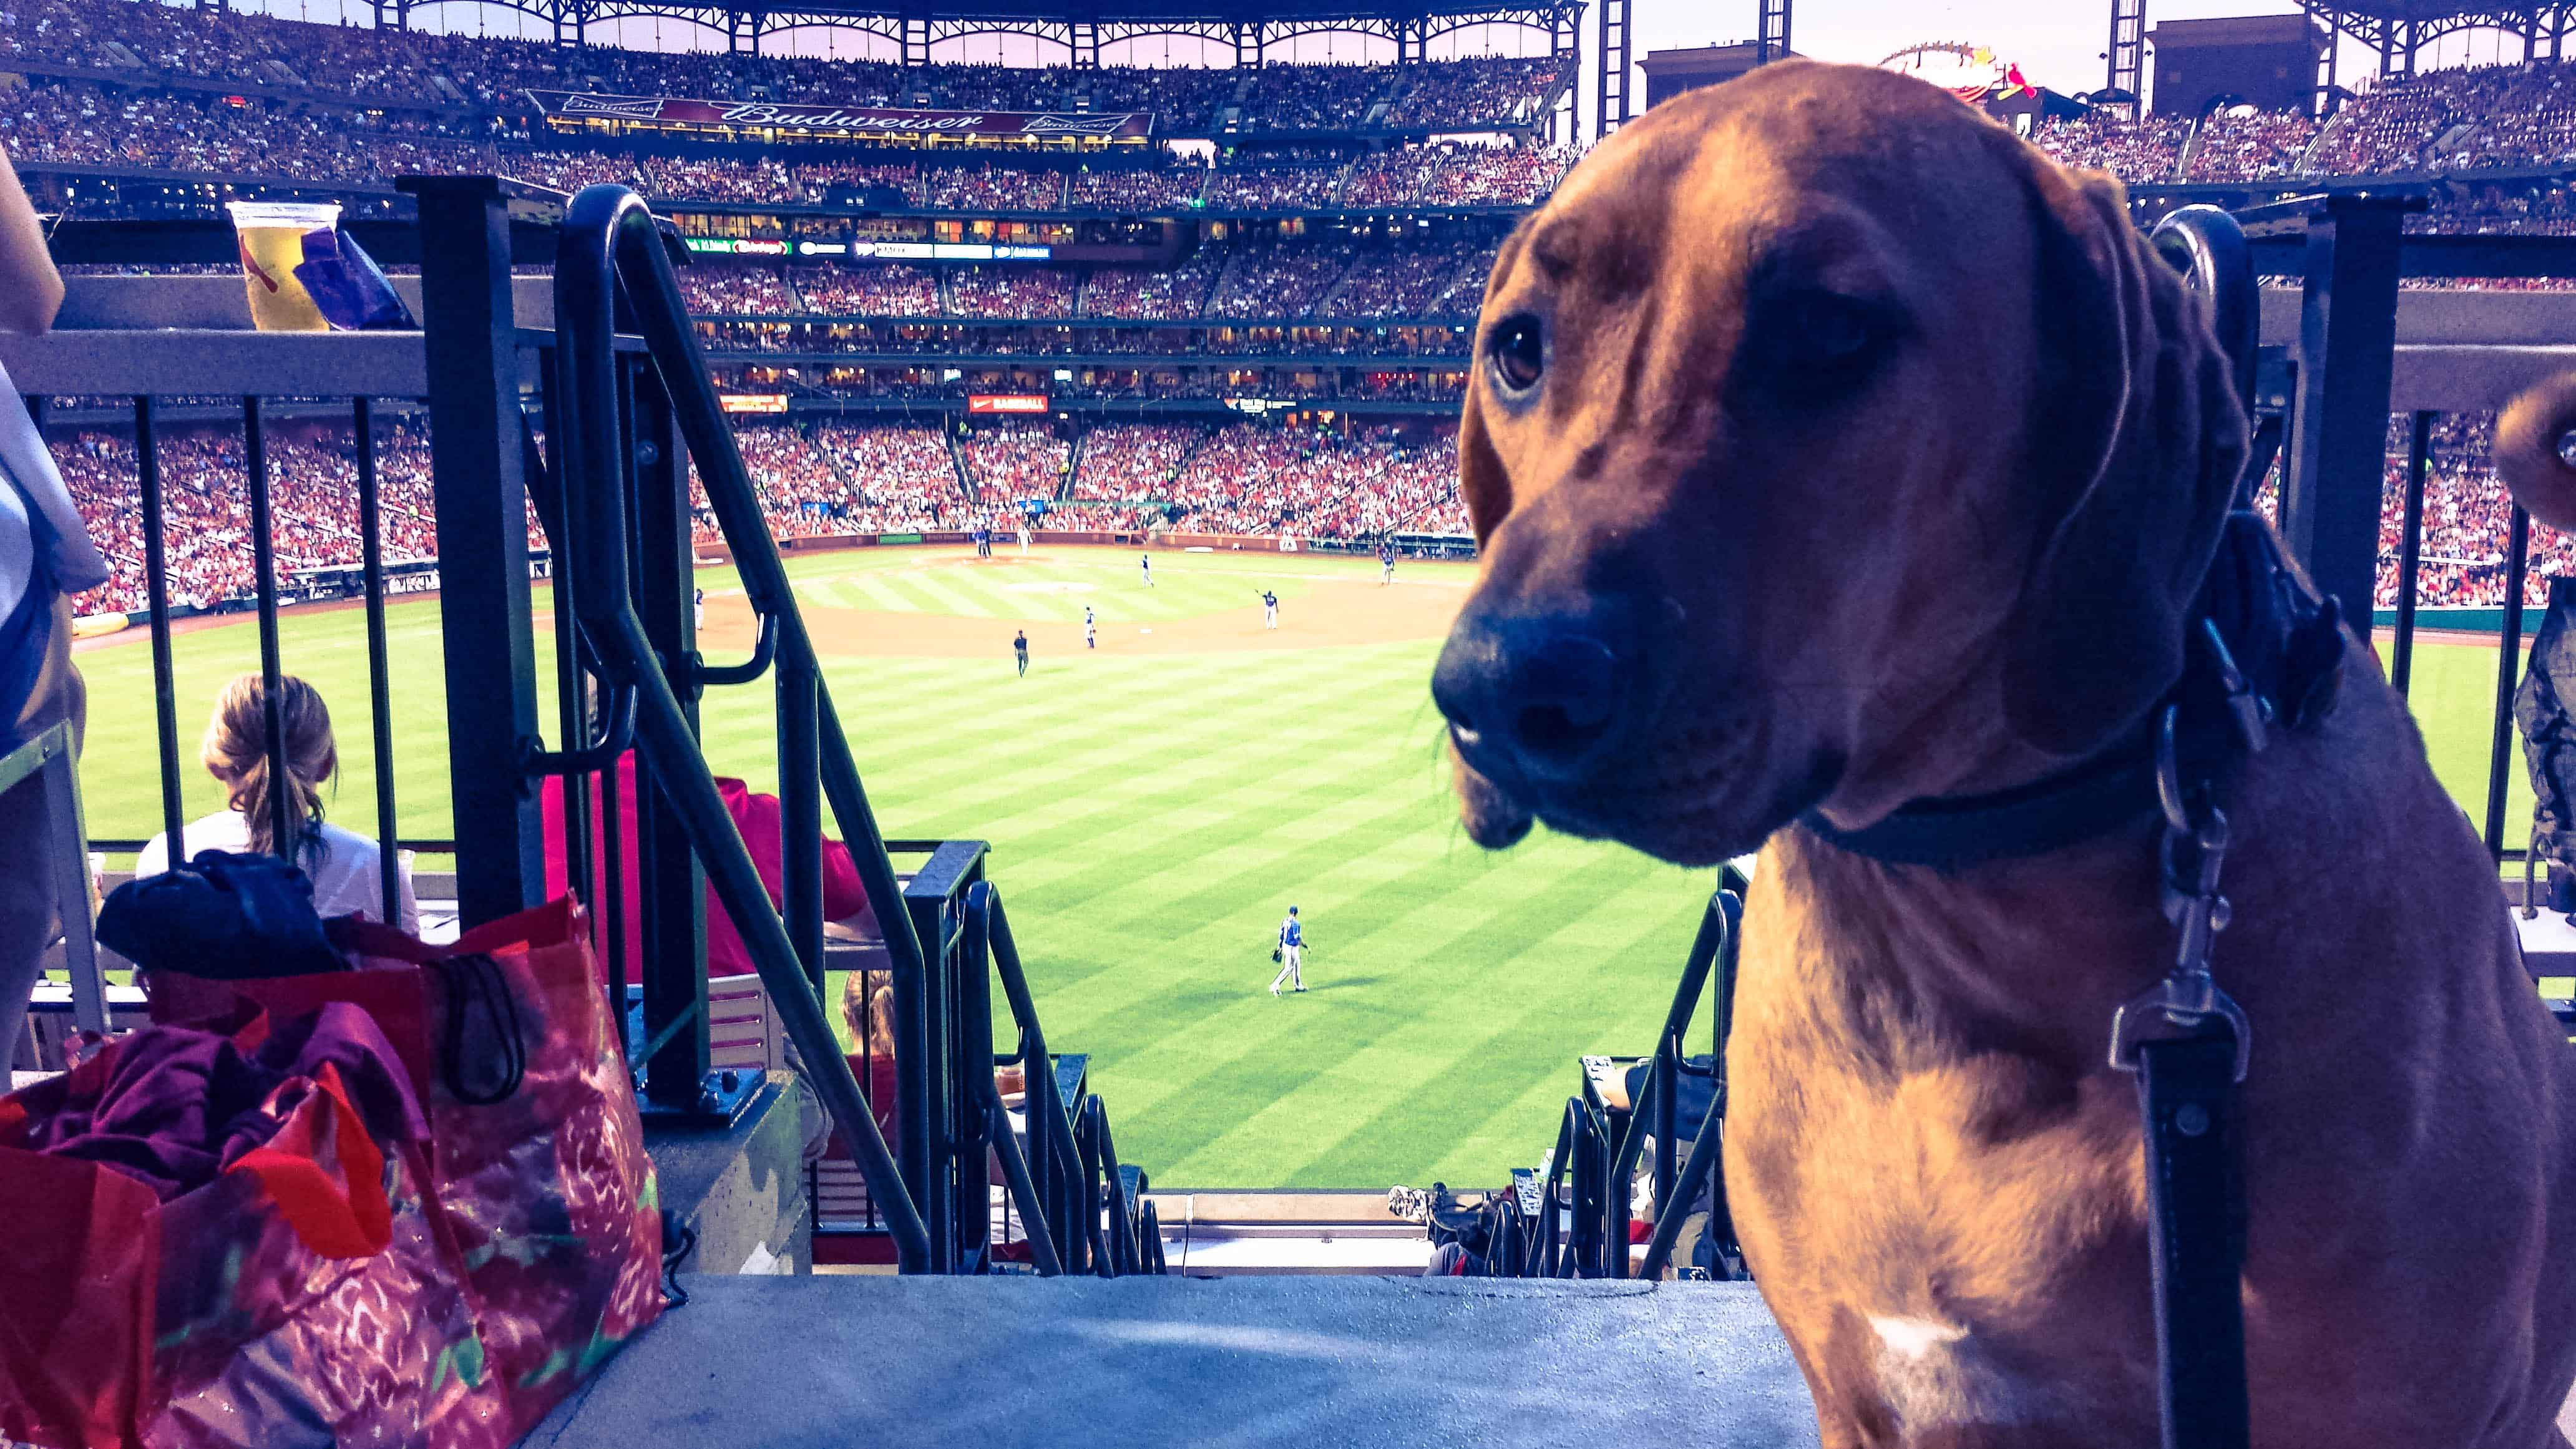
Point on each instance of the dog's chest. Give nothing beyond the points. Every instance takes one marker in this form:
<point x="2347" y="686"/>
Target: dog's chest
<point x="1943" y="1241"/>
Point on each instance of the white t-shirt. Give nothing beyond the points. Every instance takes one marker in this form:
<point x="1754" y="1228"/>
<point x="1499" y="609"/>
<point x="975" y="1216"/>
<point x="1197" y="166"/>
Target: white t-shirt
<point x="345" y="877"/>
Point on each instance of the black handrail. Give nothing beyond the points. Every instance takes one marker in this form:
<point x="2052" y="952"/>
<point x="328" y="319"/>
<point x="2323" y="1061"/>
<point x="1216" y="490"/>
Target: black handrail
<point x="1050" y="1131"/>
<point x="610" y="248"/>
<point x="1672" y="1202"/>
<point x="985" y="939"/>
<point x="764" y="649"/>
<point x="1651" y="1112"/>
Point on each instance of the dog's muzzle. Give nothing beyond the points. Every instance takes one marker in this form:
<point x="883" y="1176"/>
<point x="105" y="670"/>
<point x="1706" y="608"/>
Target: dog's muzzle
<point x="1537" y="702"/>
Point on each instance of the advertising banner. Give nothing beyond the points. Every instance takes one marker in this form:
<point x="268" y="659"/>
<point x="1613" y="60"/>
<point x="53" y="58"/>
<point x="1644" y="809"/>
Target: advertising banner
<point x="829" y="116"/>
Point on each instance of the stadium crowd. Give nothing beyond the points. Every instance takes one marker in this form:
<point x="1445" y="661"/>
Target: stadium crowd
<point x="1015" y="461"/>
<point x="832" y="476"/>
<point x="76" y="125"/>
<point x="838" y="475"/>
<point x="425" y="70"/>
<point x="2467" y="522"/>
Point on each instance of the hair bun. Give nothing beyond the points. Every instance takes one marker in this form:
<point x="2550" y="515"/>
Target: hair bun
<point x="2535" y="450"/>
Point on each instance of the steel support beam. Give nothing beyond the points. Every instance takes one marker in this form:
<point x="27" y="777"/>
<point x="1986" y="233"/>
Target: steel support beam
<point x="470" y="339"/>
<point x="2339" y="434"/>
<point x="2397" y="50"/>
<point x="2128" y="50"/>
<point x="2321" y="97"/>
<point x="1610" y="99"/>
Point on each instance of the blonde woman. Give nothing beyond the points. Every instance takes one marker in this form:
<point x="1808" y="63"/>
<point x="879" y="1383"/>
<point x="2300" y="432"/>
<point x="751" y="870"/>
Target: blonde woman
<point x="342" y="864"/>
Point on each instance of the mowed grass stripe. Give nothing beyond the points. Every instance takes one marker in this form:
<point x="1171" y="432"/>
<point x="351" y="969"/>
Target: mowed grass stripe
<point x="1279" y="1064"/>
<point x="1555" y="977"/>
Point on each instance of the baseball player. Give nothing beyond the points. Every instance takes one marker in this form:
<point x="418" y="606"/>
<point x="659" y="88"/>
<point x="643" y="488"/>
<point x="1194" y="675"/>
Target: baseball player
<point x="1024" y="540"/>
<point x="699" y="603"/>
<point x="1386" y="561"/>
<point x="1147" y="562"/>
<point x="1269" y="610"/>
<point x="1020" y="647"/>
<point x="1292" y="954"/>
<point x="1090" y="629"/>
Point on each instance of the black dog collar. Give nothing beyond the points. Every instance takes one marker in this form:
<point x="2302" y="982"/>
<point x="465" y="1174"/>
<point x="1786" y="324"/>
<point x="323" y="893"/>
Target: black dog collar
<point x="2286" y="648"/>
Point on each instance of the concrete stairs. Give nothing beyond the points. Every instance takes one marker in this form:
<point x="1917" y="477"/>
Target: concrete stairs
<point x="1134" y="1363"/>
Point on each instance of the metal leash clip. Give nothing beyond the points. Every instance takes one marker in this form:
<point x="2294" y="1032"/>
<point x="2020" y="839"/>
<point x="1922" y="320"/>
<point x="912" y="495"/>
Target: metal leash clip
<point x="2251" y="713"/>
<point x="2187" y="1000"/>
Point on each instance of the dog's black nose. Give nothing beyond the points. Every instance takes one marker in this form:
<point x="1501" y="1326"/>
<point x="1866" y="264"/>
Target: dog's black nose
<point x="1539" y="695"/>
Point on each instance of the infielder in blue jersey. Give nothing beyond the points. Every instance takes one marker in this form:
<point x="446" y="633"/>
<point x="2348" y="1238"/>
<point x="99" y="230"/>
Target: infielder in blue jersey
<point x="1146" y="561"/>
<point x="1292" y="954"/>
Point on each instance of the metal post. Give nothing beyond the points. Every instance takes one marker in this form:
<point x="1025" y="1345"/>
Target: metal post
<point x="272" y="673"/>
<point x="974" y="1083"/>
<point x="917" y="1083"/>
<point x="156" y="586"/>
<point x="669" y="879"/>
<point x="2339" y="433"/>
<point x="371" y="555"/>
<point x="2410" y="546"/>
<point x="2508" y="666"/>
<point x="470" y="337"/>
<point x="800" y="801"/>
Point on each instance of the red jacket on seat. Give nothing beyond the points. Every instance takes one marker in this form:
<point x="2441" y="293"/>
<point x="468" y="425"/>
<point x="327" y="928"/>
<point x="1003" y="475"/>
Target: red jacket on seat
<point x="756" y="816"/>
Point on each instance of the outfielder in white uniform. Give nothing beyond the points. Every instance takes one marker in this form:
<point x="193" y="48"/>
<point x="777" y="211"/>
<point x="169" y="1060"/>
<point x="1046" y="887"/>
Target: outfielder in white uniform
<point x="1292" y="954"/>
<point x="1269" y="610"/>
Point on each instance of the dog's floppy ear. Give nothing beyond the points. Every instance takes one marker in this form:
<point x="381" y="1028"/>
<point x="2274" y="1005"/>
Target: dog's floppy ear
<point x="1482" y="482"/>
<point x="2132" y="464"/>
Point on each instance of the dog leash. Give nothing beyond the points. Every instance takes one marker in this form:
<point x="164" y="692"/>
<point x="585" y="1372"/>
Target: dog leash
<point x="2188" y="1043"/>
<point x="2263" y="652"/>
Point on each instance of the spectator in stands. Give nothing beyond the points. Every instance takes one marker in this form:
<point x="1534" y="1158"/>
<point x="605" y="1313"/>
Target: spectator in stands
<point x="344" y="866"/>
<point x="39" y="688"/>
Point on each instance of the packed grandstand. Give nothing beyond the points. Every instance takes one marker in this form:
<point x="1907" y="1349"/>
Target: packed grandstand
<point x="1254" y="323"/>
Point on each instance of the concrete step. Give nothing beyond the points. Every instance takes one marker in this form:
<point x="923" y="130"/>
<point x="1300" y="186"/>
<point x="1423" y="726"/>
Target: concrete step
<point x="1141" y="1362"/>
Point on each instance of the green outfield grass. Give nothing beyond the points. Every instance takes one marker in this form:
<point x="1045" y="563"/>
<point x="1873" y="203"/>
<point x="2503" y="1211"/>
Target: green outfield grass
<point x="1151" y="817"/>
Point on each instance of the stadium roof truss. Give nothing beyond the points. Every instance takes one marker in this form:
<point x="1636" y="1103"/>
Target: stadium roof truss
<point x="1079" y="31"/>
<point x="2396" y="30"/>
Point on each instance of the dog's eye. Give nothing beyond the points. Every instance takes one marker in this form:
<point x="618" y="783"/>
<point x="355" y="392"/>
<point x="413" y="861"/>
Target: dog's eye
<point x="1517" y="353"/>
<point x="1810" y="347"/>
<point x="1827" y="331"/>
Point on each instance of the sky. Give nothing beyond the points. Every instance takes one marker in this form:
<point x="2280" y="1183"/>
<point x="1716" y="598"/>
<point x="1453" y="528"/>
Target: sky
<point x="2057" y="43"/>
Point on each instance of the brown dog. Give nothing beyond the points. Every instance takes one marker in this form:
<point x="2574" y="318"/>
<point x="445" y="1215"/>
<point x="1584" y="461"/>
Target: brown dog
<point x="1833" y="449"/>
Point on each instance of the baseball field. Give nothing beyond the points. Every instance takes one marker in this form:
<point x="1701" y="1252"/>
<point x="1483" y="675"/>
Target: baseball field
<point x="1155" y="804"/>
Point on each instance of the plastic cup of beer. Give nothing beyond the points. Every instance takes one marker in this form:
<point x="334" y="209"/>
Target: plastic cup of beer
<point x="271" y="237"/>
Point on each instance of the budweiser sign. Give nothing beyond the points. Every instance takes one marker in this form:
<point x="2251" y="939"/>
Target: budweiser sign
<point x="884" y="120"/>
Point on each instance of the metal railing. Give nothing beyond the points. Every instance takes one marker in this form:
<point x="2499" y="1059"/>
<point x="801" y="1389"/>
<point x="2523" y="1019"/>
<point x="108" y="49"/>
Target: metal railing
<point x="146" y="367"/>
<point x="1581" y="1227"/>
<point x="2329" y="389"/>
<point x="619" y="416"/>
